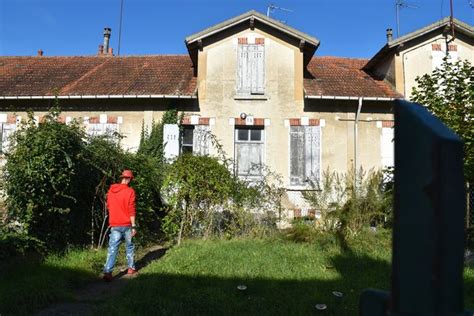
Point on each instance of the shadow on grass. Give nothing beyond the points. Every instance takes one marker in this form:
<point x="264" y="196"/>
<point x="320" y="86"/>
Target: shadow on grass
<point x="174" y="294"/>
<point x="36" y="285"/>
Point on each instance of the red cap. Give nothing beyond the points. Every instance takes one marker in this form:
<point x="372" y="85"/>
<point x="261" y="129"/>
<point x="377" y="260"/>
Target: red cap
<point x="127" y="174"/>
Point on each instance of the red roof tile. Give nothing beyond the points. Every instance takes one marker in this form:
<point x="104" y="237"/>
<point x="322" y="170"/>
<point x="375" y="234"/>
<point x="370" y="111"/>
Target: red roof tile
<point x="162" y="75"/>
<point x="338" y="76"/>
<point x="97" y="75"/>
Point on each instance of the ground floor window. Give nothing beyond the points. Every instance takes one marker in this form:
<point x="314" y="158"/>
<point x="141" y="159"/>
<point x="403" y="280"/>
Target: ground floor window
<point x="195" y="139"/>
<point x="249" y="150"/>
<point x="6" y="130"/>
<point x="305" y="154"/>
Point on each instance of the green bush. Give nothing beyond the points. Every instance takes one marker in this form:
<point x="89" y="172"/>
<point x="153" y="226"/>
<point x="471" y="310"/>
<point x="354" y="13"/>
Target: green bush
<point x="44" y="184"/>
<point x="348" y="205"/>
<point x="204" y="199"/>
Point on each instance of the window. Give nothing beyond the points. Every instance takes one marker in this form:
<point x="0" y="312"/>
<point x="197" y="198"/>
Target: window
<point x="195" y="139"/>
<point x="305" y="154"/>
<point x="102" y="125"/>
<point x="97" y="129"/>
<point x="251" y="69"/>
<point x="249" y="145"/>
<point x="6" y="130"/>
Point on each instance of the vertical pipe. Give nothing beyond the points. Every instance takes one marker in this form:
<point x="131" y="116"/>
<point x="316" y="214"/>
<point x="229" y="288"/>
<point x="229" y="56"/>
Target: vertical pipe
<point x="356" y="139"/>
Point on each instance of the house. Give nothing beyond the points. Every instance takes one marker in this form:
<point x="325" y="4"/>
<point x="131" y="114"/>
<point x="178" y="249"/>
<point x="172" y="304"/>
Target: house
<point x="251" y="81"/>
<point x="403" y="59"/>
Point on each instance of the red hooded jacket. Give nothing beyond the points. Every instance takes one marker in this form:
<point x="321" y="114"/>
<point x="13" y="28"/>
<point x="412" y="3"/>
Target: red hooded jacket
<point x="121" y="204"/>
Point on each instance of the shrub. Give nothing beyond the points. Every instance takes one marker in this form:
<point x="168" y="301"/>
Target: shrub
<point x="346" y="210"/>
<point x="205" y="199"/>
<point x="43" y="184"/>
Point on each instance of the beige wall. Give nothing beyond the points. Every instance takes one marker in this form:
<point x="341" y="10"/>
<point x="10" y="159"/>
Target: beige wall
<point x="217" y="74"/>
<point x="418" y="60"/>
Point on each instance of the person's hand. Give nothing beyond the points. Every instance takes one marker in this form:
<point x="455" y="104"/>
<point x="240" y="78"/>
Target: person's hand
<point x="134" y="232"/>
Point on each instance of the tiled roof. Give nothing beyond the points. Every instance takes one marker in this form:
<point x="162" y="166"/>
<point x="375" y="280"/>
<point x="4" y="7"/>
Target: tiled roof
<point x="162" y="75"/>
<point x="338" y="76"/>
<point x="97" y="75"/>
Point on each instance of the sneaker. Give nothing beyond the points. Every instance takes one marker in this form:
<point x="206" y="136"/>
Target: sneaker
<point x="107" y="277"/>
<point x="131" y="271"/>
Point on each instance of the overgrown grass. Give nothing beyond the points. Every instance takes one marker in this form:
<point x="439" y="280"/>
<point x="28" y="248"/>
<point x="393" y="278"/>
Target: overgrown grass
<point x="29" y="283"/>
<point x="282" y="277"/>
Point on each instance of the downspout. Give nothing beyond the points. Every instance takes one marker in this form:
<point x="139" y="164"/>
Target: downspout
<point x="356" y="124"/>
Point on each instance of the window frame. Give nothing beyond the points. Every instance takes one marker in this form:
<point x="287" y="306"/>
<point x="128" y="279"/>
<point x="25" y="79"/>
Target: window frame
<point x="260" y="143"/>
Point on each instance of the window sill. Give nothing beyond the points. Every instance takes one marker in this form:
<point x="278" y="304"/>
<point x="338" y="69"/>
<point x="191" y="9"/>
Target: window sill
<point x="251" y="97"/>
<point x="301" y="188"/>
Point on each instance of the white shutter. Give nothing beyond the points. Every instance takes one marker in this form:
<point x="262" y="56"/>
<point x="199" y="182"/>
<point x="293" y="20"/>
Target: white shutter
<point x="243" y="78"/>
<point x="258" y="84"/>
<point x="312" y="149"/>
<point x="201" y="140"/>
<point x="297" y="155"/>
<point x="387" y="147"/>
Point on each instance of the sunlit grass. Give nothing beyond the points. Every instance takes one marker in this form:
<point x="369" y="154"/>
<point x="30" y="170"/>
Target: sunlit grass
<point x="282" y="277"/>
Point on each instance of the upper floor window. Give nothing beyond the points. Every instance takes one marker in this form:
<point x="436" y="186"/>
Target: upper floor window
<point x="251" y="67"/>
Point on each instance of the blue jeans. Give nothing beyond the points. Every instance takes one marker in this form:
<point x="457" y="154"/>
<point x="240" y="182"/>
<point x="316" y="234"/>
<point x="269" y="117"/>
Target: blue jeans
<point x="115" y="238"/>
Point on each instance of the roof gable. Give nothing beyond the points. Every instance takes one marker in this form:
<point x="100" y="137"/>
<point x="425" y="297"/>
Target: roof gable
<point x="438" y="27"/>
<point x="251" y="19"/>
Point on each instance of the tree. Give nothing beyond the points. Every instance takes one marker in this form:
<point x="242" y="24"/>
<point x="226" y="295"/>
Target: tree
<point x="448" y="93"/>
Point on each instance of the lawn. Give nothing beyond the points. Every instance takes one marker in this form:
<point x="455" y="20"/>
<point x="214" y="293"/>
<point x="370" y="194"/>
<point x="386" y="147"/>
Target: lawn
<point x="282" y="277"/>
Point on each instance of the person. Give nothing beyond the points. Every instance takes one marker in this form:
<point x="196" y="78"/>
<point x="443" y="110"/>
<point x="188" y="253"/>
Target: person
<point x="121" y="207"/>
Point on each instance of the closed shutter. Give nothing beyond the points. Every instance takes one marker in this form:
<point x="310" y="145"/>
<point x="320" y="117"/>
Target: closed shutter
<point x="312" y="150"/>
<point x="297" y="155"/>
<point x="243" y="72"/>
<point x="201" y="140"/>
<point x="305" y="148"/>
<point x="258" y="77"/>
<point x="387" y="147"/>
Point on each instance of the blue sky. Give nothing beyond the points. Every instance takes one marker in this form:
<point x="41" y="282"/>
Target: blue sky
<point x="350" y="28"/>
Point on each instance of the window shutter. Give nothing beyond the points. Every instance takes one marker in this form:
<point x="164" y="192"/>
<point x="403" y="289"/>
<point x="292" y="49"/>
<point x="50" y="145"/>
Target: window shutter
<point x="244" y="80"/>
<point x="312" y="149"/>
<point x="258" y="82"/>
<point x="387" y="147"/>
<point x="297" y="156"/>
<point x="201" y="140"/>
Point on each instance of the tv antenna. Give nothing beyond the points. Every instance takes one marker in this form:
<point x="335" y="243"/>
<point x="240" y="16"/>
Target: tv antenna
<point x="120" y="27"/>
<point x="402" y="4"/>
<point x="271" y="8"/>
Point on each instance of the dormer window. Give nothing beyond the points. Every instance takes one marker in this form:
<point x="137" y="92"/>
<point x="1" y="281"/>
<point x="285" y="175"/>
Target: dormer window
<point x="251" y="67"/>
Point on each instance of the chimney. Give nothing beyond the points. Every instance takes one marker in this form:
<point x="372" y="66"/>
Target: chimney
<point x="40" y="52"/>
<point x="107" y="31"/>
<point x="389" y="35"/>
<point x="111" y="51"/>
<point x="101" y="49"/>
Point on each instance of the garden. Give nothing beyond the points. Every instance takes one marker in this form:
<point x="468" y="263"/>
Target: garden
<point x="220" y="248"/>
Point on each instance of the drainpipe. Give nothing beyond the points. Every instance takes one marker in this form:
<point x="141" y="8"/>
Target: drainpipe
<point x="356" y="123"/>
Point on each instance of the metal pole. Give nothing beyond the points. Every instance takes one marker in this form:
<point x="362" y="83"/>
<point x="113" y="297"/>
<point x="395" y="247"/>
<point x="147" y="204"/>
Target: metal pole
<point x="356" y="131"/>
<point x="397" y="9"/>
<point x="120" y="27"/>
